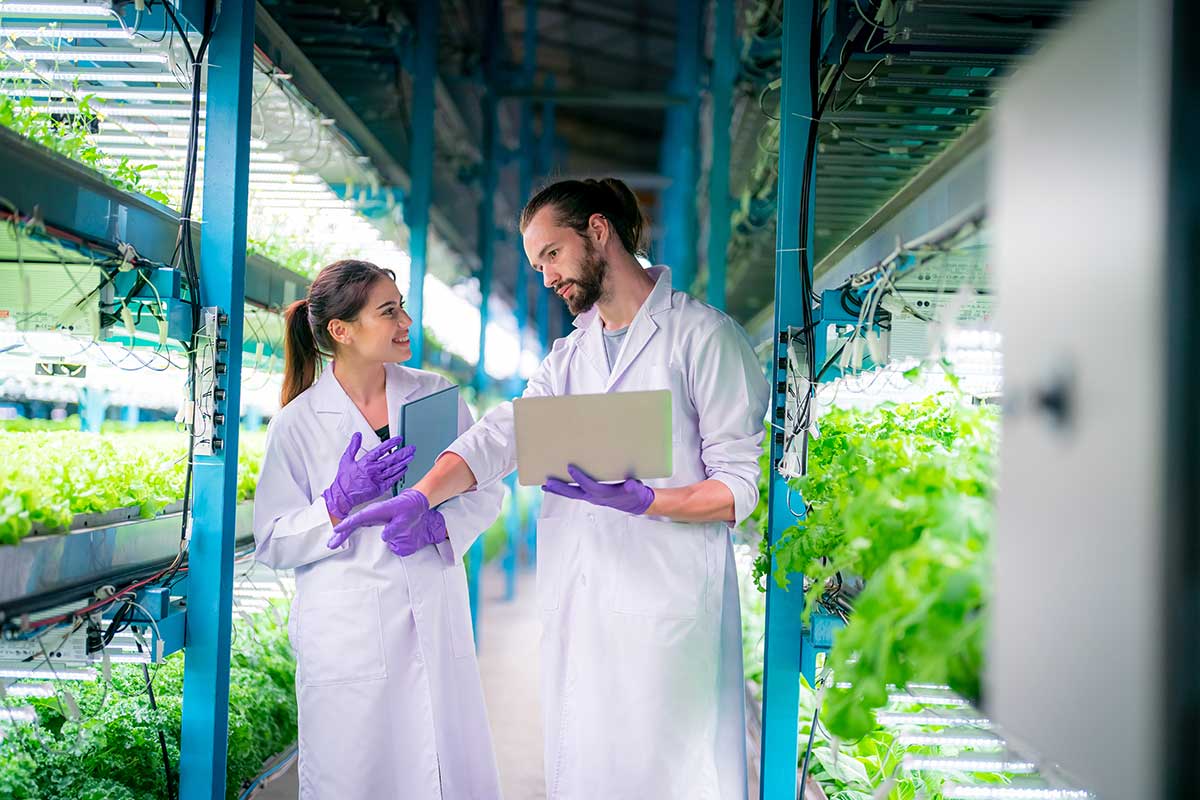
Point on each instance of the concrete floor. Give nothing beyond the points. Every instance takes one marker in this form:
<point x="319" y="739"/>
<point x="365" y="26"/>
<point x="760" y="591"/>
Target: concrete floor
<point x="508" y="662"/>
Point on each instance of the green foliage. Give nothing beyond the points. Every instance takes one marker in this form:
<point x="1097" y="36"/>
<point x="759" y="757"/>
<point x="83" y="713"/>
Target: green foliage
<point x="112" y="751"/>
<point x="902" y="496"/>
<point x="71" y="136"/>
<point x="47" y="477"/>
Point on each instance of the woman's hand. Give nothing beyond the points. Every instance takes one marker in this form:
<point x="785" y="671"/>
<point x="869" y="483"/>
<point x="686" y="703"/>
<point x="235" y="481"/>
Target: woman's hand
<point x="361" y="479"/>
<point x="399" y="513"/>
<point x="404" y="539"/>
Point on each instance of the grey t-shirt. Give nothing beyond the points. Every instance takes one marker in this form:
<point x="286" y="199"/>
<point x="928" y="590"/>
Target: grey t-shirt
<point x="612" y="345"/>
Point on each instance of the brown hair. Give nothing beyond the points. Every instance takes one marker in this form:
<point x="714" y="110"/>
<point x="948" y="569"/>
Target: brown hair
<point x="576" y="201"/>
<point x="338" y="292"/>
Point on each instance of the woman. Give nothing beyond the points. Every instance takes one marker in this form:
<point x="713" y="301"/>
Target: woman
<point x="390" y="700"/>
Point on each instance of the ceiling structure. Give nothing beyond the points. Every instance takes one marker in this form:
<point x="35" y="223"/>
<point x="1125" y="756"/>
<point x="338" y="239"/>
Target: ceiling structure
<point x="917" y="76"/>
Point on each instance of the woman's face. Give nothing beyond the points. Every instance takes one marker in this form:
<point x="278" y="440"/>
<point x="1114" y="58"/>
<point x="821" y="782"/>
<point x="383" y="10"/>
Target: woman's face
<point x="380" y="333"/>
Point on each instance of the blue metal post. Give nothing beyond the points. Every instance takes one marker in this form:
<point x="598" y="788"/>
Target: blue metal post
<point x="222" y="284"/>
<point x="487" y="244"/>
<point x="724" y="73"/>
<point x="93" y="405"/>
<point x="525" y="156"/>
<point x="782" y="656"/>
<point x="131" y="416"/>
<point x="416" y="209"/>
<point x="680" y="230"/>
<point x="546" y="166"/>
<point x="512" y="528"/>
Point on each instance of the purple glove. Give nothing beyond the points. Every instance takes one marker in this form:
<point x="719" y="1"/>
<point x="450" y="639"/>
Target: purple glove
<point x="363" y="479"/>
<point x="631" y="496"/>
<point x="406" y="539"/>
<point x="400" y="512"/>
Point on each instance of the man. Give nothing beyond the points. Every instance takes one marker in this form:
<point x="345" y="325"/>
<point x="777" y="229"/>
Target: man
<point x="641" y="653"/>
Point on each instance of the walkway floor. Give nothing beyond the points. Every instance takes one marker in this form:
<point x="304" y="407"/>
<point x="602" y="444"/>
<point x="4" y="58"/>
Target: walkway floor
<point x="508" y="663"/>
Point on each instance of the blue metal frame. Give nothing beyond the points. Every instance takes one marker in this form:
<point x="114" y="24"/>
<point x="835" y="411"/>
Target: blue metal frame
<point x="421" y="158"/>
<point x="222" y="284"/>
<point x="490" y="148"/>
<point x="783" y="645"/>
<point x="679" y="151"/>
<point x="724" y="74"/>
<point x="547" y="163"/>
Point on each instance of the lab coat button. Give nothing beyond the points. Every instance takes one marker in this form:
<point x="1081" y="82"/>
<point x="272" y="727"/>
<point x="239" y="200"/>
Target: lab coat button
<point x="583" y="580"/>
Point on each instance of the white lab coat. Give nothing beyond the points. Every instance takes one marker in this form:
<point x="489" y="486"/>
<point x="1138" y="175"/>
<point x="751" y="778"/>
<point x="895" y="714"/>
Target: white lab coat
<point x="390" y="701"/>
<point x="641" y="653"/>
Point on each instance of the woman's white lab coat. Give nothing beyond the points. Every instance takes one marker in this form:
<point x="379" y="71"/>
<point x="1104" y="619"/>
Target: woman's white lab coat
<point x="641" y="653"/>
<point x="390" y="700"/>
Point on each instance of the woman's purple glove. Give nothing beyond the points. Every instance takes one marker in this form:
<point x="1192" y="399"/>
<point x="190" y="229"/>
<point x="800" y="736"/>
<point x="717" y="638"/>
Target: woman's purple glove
<point x="399" y="512"/>
<point x="404" y="540"/>
<point x="631" y="496"/>
<point x="361" y="479"/>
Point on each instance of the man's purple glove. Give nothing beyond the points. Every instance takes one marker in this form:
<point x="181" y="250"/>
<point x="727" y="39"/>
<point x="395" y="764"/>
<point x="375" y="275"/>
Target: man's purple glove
<point x="631" y="496"/>
<point x="361" y="479"/>
<point x="400" y="512"/>
<point x="430" y="528"/>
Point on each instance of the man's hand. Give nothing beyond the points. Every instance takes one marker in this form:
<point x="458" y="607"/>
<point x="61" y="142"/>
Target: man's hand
<point x="631" y="496"/>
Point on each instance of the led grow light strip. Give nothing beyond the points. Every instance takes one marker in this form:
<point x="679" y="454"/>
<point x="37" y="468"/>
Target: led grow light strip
<point x="931" y="718"/>
<point x="49" y="8"/>
<point x="30" y="690"/>
<point x="16" y="715"/>
<point x="106" y="93"/>
<point x="99" y="55"/>
<point x="126" y="75"/>
<point x="130" y="110"/>
<point x="53" y="31"/>
<point x="973" y="764"/>
<point x="1013" y="793"/>
<point x="977" y="741"/>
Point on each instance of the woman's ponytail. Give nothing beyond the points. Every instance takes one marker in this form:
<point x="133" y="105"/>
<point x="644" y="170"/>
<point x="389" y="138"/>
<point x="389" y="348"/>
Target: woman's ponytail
<point x="300" y="354"/>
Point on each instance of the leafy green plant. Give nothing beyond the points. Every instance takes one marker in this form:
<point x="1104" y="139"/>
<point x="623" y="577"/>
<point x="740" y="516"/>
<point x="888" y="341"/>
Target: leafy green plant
<point x="112" y="751"/>
<point x="48" y="477"/>
<point x="902" y="496"/>
<point x="70" y="135"/>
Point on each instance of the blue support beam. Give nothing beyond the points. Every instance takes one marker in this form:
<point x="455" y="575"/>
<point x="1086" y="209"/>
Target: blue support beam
<point x="214" y="507"/>
<point x="490" y="147"/>
<point x="782" y="656"/>
<point x="526" y="152"/>
<point x="724" y="75"/>
<point x="512" y="526"/>
<point x="547" y="166"/>
<point x="680" y="151"/>
<point x="416" y="209"/>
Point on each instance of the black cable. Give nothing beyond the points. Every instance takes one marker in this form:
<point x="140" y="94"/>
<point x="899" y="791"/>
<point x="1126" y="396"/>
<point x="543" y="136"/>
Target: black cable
<point x="162" y="737"/>
<point x="812" y="732"/>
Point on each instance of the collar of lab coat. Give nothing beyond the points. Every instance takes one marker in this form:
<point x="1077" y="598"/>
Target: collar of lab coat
<point x="329" y="398"/>
<point x="641" y="330"/>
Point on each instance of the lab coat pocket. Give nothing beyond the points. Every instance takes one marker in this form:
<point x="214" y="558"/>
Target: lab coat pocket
<point x="672" y="377"/>
<point x="662" y="570"/>
<point x="341" y="637"/>
<point x="458" y="611"/>
<point x="551" y="539"/>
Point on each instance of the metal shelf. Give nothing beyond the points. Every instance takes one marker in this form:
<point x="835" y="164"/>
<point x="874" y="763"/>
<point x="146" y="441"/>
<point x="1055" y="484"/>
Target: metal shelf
<point x="48" y="570"/>
<point x="71" y="198"/>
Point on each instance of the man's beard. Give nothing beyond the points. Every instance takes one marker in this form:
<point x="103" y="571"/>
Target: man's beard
<point x="589" y="287"/>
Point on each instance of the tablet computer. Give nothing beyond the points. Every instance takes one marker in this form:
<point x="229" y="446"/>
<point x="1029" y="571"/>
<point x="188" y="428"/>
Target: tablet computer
<point x="430" y="424"/>
<point x="610" y="436"/>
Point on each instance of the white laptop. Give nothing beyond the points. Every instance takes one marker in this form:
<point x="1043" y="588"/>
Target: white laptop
<point x="610" y="436"/>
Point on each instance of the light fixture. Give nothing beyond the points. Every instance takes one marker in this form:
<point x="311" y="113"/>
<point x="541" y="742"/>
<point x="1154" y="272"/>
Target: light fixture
<point x="55" y="32"/>
<point x="126" y="75"/>
<point x="29" y="690"/>
<point x="896" y="718"/>
<point x="106" y="93"/>
<point x="59" y="673"/>
<point x="122" y="110"/>
<point x="1013" y="793"/>
<point x="16" y="715"/>
<point x="972" y="763"/>
<point x="978" y="740"/>
<point x="99" y="55"/>
<point x="49" y="8"/>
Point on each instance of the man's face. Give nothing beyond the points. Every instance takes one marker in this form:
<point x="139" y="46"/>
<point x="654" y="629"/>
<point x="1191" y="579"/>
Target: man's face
<point x="570" y="263"/>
